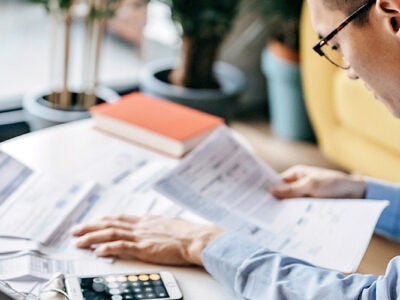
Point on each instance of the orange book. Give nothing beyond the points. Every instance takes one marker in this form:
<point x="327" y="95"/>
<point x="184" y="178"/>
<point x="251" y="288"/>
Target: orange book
<point x="159" y="124"/>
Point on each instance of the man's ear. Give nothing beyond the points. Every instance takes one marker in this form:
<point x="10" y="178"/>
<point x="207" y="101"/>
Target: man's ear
<point x="390" y="10"/>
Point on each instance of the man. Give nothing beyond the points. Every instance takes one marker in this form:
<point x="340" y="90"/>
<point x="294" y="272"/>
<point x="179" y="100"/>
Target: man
<point x="369" y="42"/>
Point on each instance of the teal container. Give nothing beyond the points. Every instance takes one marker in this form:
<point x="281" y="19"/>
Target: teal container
<point x="288" y="114"/>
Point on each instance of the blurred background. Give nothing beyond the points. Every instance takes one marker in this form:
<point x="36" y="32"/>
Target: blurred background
<point x="136" y="35"/>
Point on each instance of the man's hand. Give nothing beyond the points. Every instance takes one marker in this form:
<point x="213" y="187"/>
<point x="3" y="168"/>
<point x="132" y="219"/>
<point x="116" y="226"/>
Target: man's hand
<point x="304" y="181"/>
<point x="153" y="239"/>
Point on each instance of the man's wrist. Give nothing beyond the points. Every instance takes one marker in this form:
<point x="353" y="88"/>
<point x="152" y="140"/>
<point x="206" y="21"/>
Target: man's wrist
<point x="196" y="246"/>
<point x="360" y="186"/>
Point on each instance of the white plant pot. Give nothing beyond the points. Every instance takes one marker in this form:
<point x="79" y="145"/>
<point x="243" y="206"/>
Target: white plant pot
<point x="39" y="115"/>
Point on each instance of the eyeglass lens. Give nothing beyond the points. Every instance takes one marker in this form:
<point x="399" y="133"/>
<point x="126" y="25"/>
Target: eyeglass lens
<point x="334" y="56"/>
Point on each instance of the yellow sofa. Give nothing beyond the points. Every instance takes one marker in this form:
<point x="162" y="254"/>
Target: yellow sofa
<point x="352" y="127"/>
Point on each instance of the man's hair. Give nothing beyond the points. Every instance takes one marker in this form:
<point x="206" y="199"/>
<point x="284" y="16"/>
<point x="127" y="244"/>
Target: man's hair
<point x="348" y="7"/>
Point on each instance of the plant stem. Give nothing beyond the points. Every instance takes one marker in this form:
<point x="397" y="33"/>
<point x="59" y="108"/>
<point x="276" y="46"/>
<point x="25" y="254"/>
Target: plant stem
<point x="52" y="96"/>
<point x="195" y="69"/>
<point x="98" y="40"/>
<point x="65" y="100"/>
<point x="87" y="53"/>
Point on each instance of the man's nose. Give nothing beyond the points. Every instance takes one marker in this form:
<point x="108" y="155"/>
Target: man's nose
<point x="352" y="74"/>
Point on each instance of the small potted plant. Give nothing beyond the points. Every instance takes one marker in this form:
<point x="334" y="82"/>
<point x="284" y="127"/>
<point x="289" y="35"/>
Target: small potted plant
<point x="65" y="100"/>
<point x="196" y="79"/>
<point x="281" y="66"/>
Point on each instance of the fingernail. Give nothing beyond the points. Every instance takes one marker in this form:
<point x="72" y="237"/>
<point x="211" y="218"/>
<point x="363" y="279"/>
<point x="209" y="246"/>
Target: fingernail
<point x="75" y="229"/>
<point x="99" y="251"/>
<point x="79" y="243"/>
<point x="275" y="191"/>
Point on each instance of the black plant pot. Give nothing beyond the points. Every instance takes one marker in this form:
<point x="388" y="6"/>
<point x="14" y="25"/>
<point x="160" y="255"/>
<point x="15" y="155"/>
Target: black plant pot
<point x="221" y="102"/>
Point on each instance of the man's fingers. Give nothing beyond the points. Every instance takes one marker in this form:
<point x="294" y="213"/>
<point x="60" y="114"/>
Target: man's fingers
<point x="117" y="248"/>
<point x="122" y="218"/>
<point x="104" y="236"/>
<point x="288" y="178"/>
<point x="80" y="229"/>
<point x="299" y="188"/>
<point x="293" y="174"/>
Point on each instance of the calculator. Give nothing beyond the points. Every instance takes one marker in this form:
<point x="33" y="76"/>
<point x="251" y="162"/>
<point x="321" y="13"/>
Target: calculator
<point x="144" y="286"/>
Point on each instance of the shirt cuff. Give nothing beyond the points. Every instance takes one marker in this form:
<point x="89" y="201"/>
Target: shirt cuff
<point x="381" y="190"/>
<point x="224" y="256"/>
<point x="388" y="224"/>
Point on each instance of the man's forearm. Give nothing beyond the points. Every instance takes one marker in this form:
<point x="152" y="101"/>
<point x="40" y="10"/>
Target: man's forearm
<point x="253" y="272"/>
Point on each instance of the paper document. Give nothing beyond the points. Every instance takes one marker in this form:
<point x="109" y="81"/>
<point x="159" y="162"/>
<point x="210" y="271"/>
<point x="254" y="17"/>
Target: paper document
<point x="12" y="174"/>
<point x="30" y="264"/>
<point x="38" y="211"/>
<point x="223" y="182"/>
<point x="40" y="206"/>
<point x="33" y="265"/>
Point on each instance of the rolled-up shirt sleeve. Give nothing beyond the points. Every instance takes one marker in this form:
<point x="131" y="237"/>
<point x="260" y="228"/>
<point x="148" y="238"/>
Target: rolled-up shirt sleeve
<point x="253" y="272"/>
<point x="389" y="222"/>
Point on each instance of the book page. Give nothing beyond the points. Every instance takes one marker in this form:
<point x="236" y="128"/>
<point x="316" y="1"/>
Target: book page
<point x="223" y="182"/>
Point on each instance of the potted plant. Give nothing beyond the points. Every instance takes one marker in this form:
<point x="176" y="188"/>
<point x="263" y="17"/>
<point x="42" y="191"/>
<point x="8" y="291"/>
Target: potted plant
<point x="66" y="100"/>
<point x="196" y="79"/>
<point x="281" y="65"/>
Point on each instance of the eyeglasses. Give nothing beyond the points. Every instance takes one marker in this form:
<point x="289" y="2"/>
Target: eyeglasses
<point x="331" y="53"/>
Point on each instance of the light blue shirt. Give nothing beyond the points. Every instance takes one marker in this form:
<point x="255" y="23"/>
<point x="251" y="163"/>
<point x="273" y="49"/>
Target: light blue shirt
<point x="253" y="272"/>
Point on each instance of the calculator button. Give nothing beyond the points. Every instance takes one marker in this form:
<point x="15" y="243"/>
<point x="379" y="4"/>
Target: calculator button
<point x="143" y="277"/>
<point x="154" y="277"/>
<point x="157" y="282"/>
<point x="128" y="297"/>
<point x="122" y="279"/>
<point x="145" y="283"/>
<point x="160" y="290"/>
<point x="113" y="285"/>
<point x="139" y="296"/>
<point x="137" y="290"/>
<point x="150" y="295"/>
<point x="126" y="291"/>
<point x="98" y="280"/>
<point x="117" y="297"/>
<point x="148" y="289"/>
<point x="114" y="291"/>
<point x="110" y="279"/>
<point x="98" y="287"/>
<point x="136" y="284"/>
<point x="133" y="278"/>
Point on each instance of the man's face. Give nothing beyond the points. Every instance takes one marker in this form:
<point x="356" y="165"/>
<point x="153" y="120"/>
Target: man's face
<point x="372" y="50"/>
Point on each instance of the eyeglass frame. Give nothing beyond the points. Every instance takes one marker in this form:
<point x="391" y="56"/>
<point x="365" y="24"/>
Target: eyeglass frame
<point x="324" y="41"/>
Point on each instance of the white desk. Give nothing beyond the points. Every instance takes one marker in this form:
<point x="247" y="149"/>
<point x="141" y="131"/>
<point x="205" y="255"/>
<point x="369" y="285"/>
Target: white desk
<point x="61" y="150"/>
<point x="74" y="143"/>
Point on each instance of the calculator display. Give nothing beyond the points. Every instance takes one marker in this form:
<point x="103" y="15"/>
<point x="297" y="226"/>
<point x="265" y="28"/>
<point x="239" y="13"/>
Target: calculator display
<point x="119" y="287"/>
